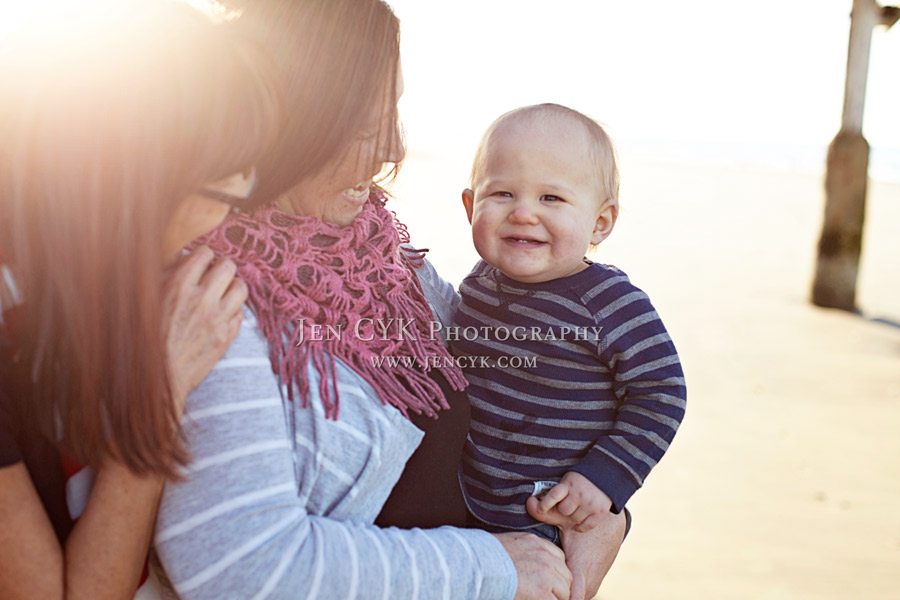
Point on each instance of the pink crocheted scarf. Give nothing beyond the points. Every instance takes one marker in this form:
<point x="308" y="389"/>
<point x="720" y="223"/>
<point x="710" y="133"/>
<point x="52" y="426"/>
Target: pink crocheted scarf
<point x="322" y="292"/>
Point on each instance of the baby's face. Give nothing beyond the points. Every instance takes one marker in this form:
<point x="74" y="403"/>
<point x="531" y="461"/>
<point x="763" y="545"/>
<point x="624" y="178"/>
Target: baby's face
<point x="536" y="206"/>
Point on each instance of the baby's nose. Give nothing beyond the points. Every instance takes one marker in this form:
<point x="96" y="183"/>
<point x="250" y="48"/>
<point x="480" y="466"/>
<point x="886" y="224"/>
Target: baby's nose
<point x="523" y="214"/>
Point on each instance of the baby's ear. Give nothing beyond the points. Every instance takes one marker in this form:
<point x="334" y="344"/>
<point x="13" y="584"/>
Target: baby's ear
<point x="606" y="220"/>
<point x="468" y="199"/>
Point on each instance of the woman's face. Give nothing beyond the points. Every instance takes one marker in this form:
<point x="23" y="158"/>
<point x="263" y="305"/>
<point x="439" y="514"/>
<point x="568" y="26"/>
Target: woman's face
<point x="338" y="192"/>
<point x="199" y="214"/>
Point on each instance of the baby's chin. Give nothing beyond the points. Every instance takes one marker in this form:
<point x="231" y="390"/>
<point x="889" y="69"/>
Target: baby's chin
<point x="541" y="276"/>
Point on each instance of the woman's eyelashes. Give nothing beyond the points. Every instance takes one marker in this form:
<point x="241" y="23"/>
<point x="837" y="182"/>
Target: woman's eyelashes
<point x="367" y="136"/>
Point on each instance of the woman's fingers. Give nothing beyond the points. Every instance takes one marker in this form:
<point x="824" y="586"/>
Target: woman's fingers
<point x="235" y="325"/>
<point x="540" y="566"/>
<point x="218" y="278"/>
<point x="193" y="266"/>
<point x="562" y="588"/>
<point x="234" y="297"/>
<point x="202" y="316"/>
<point x="577" y="590"/>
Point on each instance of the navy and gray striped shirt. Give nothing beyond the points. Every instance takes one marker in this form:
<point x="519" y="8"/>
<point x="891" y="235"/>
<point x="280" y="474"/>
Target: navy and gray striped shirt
<point x="576" y="374"/>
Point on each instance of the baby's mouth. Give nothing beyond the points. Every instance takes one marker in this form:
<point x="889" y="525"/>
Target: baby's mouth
<point x="523" y="241"/>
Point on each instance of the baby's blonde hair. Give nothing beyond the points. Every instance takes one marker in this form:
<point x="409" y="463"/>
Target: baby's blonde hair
<point x="603" y="153"/>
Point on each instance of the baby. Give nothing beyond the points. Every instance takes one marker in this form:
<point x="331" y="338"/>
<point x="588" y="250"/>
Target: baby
<point x="575" y="385"/>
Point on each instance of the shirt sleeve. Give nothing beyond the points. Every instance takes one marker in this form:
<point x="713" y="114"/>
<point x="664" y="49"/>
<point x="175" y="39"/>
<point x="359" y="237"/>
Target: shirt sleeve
<point x="648" y="382"/>
<point x="440" y="294"/>
<point x="235" y="526"/>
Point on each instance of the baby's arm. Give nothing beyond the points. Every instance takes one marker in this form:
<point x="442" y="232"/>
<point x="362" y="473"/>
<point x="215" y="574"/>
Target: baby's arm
<point x="573" y="503"/>
<point x="649" y="385"/>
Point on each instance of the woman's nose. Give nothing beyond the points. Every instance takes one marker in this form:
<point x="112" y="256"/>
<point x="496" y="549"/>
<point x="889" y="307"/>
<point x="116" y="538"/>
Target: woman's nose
<point x="394" y="148"/>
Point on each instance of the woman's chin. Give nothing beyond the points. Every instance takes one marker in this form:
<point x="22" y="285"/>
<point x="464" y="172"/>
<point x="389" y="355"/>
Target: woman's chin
<point x="346" y="208"/>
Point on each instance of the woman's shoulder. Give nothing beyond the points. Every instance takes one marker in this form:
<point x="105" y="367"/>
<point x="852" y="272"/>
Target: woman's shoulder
<point x="440" y="294"/>
<point x="244" y="371"/>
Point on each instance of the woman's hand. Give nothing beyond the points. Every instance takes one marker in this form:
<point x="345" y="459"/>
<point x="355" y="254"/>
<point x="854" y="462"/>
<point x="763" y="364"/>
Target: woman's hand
<point x="202" y="302"/>
<point x="540" y="565"/>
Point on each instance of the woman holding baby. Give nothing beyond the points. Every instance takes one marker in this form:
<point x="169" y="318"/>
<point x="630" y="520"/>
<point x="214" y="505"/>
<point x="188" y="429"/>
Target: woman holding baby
<point x="293" y="486"/>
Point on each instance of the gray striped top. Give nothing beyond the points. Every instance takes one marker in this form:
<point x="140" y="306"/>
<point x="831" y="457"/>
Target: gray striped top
<point x="278" y="502"/>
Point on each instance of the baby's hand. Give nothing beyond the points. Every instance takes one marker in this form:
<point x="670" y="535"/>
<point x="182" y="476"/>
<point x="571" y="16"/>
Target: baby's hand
<point x="574" y="503"/>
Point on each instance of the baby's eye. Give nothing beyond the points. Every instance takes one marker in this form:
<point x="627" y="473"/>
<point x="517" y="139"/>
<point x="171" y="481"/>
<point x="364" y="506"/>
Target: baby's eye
<point x="502" y="194"/>
<point x="551" y="198"/>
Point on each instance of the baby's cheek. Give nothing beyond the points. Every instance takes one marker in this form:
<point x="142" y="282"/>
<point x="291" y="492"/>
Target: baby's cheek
<point x="481" y="240"/>
<point x="480" y="230"/>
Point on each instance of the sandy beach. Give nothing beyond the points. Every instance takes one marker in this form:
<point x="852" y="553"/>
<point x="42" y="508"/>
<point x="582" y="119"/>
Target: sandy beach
<point x="784" y="479"/>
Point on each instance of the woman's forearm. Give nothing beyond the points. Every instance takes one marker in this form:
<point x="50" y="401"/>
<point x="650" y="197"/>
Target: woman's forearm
<point x="31" y="560"/>
<point x="105" y="552"/>
<point x="107" y="549"/>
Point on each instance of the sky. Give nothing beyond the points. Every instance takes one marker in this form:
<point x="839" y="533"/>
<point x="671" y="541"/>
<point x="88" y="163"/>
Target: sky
<point x="770" y="72"/>
<point x="671" y="71"/>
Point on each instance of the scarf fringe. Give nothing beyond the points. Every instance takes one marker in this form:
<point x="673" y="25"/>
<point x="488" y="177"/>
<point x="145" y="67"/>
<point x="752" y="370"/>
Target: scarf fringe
<point x="301" y="271"/>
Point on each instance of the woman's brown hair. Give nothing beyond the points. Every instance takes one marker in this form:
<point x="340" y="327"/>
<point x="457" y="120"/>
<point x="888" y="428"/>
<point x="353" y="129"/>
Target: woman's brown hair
<point x="107" y="122"/>
<point x="336" y="59"/>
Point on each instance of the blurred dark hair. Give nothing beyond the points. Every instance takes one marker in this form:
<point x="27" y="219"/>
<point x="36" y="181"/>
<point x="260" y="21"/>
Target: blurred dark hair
<point x="108" y="121"/>
<point x="336" y="59"/>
